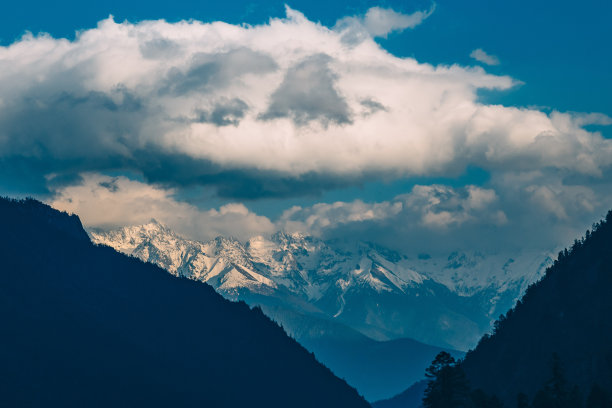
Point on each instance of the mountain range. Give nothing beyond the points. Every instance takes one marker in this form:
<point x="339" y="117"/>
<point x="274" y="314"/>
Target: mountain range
<point x="448" y="302"/>
<point x="84" y="325"/>
<point x="349" y="302"/>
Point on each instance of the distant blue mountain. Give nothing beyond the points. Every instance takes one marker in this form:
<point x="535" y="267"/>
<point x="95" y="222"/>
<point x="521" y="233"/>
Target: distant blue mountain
<point x="377" y="369"/>
<point x="412" y="397"/>
<point x="85" y="326"/>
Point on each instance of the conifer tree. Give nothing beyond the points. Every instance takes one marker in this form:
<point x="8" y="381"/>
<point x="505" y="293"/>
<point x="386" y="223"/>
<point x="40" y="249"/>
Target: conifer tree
<point x="556" y="392"/>
<point x="448" y="386"/>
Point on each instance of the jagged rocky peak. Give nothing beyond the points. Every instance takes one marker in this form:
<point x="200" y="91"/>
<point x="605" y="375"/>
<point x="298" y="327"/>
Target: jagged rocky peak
<point x="284" y="252"/>
<point x="230" y="249"/>
<point x="371" y="248"/>
<point x="155" y="225"/>
<point x="302" y="270"/>
<point x="138" y="238"/>
<point x="220" y="244"/>
<point x="464" y="260"/>
<point x="297" y="243"/>
<point x="293" y="238"/>
<point x="307" y="260"/>
<point x="381" y="279"/>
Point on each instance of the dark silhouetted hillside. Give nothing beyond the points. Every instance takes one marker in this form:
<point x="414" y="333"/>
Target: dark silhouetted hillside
<point x="567" y="314"/>
<point x="85" y="326"/>
<point x="412" y="397"/>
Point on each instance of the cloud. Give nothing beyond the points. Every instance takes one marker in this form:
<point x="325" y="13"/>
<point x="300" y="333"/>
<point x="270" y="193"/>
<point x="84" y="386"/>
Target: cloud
<point x="442" y="206"/>
<point x="479" y="55"/>
<point x="316" y="219"/>
<point x="271" y="105"/>
<point x="159" y="48"/>
<point x="207" y="72"/>
<point x="371" y="106"/>
<point x="297" y="98"/>
<point x="289" y="108"/>
<point x="223" y="113"/>
<point x="379" y="22"/>
<point x="528" y="211"/>
<point x="435" y="208"/>
<point x="110" y="202"/>
<point x="510" y="215"/>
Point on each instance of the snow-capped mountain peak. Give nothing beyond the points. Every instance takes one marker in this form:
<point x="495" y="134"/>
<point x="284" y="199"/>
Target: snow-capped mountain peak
<point x="376" y="290"/>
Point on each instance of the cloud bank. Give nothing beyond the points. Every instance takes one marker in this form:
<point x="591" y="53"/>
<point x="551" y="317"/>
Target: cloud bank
<point x="432" y="219"/>
<point x="111" y="202"/>
<point x="284" y="109"/>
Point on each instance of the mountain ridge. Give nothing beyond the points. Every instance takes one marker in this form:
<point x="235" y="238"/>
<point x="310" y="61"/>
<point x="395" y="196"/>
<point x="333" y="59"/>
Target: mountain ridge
<point x="554" y="346"/>
<point x="84" y="325"/>
<point x="325" y="276"/>
<point x="302" y="280"/>
<point x="564" y="316"/>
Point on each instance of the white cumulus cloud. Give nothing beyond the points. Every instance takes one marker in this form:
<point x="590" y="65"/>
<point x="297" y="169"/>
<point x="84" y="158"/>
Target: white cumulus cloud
<point x="110" y="202"/>
<point x="283" y="109"/>
<point x="289" y="96"/>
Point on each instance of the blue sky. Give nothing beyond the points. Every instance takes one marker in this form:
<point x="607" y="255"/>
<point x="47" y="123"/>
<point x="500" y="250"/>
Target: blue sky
<point x="542" y="57"/>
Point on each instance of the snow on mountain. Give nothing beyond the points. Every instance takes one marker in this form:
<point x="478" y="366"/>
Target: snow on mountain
<point x="377" y="291"/>
<point x="221" y="262"/>
<point x="308" y="266"/>
<point x="463" y="272"/>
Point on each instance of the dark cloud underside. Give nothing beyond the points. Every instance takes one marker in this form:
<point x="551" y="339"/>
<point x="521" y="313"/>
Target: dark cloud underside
<point x="308" y="93"/>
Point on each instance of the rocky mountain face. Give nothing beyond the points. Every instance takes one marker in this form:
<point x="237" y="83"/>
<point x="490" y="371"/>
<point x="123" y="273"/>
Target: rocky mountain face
<point x="448" y="302"/>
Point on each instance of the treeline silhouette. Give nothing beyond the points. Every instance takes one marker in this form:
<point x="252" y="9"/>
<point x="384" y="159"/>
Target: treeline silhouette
<point x="552" y="350"/>
<point x="84" y="326"/>
<point x="449" y="387"/>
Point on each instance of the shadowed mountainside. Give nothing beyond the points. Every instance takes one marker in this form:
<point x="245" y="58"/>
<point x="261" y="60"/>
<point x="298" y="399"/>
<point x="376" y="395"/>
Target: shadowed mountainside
<point x="567" y="313"/>
<point x="376" y="368"/>
<point x="555" y="346"/>
<point x="87" y="326"/>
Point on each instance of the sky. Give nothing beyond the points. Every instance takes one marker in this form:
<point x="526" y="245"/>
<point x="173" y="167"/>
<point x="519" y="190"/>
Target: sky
<point x="423" y="126"/>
